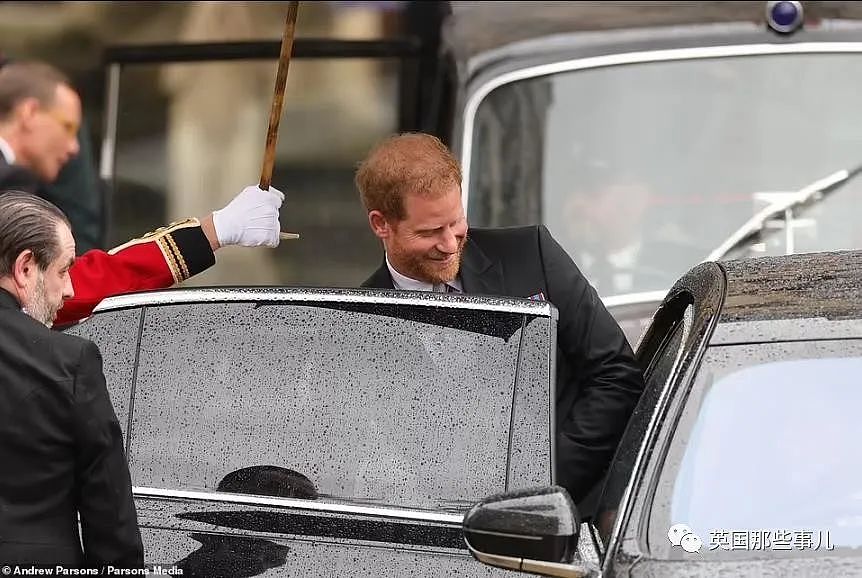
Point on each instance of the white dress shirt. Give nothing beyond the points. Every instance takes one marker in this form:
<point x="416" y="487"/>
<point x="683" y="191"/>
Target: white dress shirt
<point x="407" y="283"/>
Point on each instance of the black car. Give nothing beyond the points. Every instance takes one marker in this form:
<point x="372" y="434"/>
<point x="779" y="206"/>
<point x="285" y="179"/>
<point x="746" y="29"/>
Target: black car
<point x="651" y="136"/>
<point x="314" y="432"/>
<point x="742" y="458"/>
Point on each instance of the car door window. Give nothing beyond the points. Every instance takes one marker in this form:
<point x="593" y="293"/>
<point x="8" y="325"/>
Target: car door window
<point x="767" y="443"/>
<point x="116" y="335"/>
<point x="364" y="402"/>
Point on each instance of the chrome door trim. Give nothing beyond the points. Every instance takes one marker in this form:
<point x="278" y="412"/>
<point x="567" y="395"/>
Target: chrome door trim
<point x="299" y="504"/>
<point x="286" y="294"/>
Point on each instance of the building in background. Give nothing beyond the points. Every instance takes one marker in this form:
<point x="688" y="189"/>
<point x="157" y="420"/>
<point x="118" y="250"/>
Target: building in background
<point x="190" y="135"/>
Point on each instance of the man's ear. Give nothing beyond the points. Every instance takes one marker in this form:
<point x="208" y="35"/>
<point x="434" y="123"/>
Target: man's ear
<point x="24" y="269"/>
<point x="379" y="224"/>
<point x="26" y="110"/>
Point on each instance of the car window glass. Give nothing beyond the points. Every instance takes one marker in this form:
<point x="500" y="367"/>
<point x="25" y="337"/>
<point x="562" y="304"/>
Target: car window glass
<point x="767" y="443"/>
<point x="576" y="150"/>
<point x="116" y="335"/>
<point x="353" y="404"/>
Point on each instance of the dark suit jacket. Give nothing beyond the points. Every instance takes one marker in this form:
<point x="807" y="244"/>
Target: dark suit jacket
<point x="61" y="450"/>
<point x="76" y="192"/>
<point x="598" y="380"/>
<point x="17" y="178"/>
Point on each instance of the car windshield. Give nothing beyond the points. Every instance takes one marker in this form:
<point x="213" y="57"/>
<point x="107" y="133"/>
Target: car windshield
<point x="642" y="170"/>
<point x="765" y="460"/>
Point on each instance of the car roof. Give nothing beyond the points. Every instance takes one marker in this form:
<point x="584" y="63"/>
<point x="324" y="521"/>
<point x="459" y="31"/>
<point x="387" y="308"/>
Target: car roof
<point x="477" y="27"/>
<point x="768" y="298"/>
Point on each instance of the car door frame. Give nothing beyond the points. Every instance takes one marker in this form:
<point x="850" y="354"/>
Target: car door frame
<point x="701" y="292"/>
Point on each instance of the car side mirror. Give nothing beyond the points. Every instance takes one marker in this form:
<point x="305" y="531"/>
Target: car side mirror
<point x="533" y="530"/>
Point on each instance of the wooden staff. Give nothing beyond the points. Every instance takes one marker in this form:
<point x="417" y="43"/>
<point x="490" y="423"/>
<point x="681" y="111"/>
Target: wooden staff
<point x="278" y="103"/>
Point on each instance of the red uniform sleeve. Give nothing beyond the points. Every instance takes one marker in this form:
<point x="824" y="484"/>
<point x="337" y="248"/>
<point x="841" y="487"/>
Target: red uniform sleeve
<point x="155" y="261"/>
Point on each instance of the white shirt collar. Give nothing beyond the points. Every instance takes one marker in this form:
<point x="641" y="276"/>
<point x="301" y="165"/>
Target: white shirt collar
<point x="7" y="151"/>
<point x="406" y="283"/>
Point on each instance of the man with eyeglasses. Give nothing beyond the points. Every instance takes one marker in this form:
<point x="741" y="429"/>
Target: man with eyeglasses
<point x="77" y="189"/>
<point x="40" y="114"/>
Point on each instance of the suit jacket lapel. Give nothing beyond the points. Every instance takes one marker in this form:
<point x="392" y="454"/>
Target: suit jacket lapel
<point x="18" y="178"/>
<point x="479" y="274"/>
<point x="380" y="279"/>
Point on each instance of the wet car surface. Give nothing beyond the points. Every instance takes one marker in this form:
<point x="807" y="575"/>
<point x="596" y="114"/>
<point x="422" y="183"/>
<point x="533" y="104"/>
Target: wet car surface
<point x="740" y="458"/>
<point x="294" y="432"/>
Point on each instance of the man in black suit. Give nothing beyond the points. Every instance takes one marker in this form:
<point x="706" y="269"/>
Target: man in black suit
<point x="76" y="190"/>
<point x="60" y="442"/>
<point x="411" y="187"/>
<point x="40" y="114"/>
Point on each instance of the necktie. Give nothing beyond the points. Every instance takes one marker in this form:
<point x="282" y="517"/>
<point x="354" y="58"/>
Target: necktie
<point x="445" y="288"/>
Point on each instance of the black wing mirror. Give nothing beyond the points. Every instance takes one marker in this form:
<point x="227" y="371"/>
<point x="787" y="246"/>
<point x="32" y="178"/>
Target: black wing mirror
<point x="532" y="530"/>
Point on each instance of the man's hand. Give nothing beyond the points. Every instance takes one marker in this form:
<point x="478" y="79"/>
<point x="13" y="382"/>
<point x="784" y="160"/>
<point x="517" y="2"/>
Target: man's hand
<point x="249" y="220"/>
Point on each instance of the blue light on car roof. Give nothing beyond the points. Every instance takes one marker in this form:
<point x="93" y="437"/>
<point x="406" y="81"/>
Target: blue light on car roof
<point x="784" y="17"/>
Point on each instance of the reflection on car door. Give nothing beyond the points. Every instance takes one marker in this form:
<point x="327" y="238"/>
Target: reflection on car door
<point x="296" y="436"/>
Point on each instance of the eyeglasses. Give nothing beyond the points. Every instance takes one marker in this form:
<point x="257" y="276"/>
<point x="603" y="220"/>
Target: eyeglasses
<point x="70" y="127"/>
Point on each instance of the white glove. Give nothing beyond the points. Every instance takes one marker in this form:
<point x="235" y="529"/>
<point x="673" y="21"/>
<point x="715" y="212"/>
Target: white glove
<point x="250" y="219"/>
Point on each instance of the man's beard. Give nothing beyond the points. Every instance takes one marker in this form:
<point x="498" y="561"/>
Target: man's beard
<point x="422" y="268"/>
<point x="40" y="308"/>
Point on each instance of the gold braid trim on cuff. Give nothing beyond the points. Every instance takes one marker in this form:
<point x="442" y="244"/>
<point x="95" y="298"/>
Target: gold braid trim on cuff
<point x="168" y="254"/>
<point x="167" y="245"/>
<point x="157" y="234"/>
<point x="178" y="257"/>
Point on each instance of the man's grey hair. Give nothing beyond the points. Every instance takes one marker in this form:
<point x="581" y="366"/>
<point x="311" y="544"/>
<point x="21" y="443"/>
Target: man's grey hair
<point x="20" y="80"/>
<point x="28" y="222"/>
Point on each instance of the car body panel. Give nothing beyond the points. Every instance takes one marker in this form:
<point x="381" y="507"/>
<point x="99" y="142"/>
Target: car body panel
<point x="776" y="412"/>
<point x="368" y="396"/>
<point x="768" y="568"/>
<point x="774" y="300"/>
<point x="212" y="537"/>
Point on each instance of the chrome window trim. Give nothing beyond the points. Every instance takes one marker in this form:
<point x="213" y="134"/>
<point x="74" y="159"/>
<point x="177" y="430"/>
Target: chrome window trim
<point x="384" y="297"/>
<point x="299" y="504"/>
<point x="182" y="296"/>
<point x="608" y="60"/>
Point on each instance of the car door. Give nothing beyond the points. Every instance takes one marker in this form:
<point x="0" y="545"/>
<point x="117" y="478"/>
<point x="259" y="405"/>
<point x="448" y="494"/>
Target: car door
<point x="668" y="353"/>
<point x="313" y="437"/>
